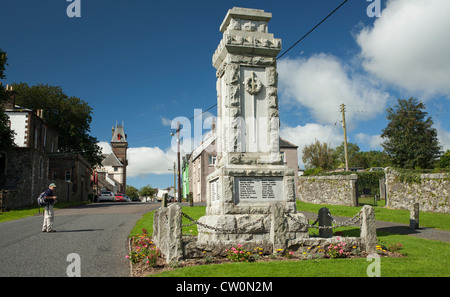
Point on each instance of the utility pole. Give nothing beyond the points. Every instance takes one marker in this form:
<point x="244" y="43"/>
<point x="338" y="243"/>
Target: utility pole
<point x="174" y="179"/>
<point x="179" y="167"/>
<point x="345" y="136"/>
<point x="179" y="127"/>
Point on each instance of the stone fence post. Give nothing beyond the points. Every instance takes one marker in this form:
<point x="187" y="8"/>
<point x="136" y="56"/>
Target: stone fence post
<point x="368" y="229"/>
<point x="167" y="232"/>
<point x="325" y="221"/>
<point x="414" y="217"/>
<point x="278" y="227"/>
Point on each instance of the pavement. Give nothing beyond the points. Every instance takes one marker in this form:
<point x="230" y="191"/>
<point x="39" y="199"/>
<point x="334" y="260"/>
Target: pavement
<point x="398" y="228"/>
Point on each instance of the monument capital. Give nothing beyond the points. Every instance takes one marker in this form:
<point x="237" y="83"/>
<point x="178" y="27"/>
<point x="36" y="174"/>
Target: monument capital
<point x="245" y="32"/>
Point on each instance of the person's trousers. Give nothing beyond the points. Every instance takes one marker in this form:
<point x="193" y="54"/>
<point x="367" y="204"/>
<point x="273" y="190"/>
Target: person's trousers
<point x="48" y="218"/>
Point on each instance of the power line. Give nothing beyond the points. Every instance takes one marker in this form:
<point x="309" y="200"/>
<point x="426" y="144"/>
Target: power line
<point x="310" y="31"/>
<point x="140" y="136"/>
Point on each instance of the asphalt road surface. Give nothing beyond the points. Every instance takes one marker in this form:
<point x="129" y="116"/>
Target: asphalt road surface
<point x="97" y="233"/>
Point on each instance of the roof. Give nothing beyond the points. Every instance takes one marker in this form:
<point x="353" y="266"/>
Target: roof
<point x="111" y="160"/>
<point x="119" y="134"/>
<point x="286" y="144"/>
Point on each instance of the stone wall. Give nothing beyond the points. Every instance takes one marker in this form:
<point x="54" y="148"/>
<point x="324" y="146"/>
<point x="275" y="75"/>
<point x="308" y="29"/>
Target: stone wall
<point x="336" y="189"/>
<point x="431" y="191"/>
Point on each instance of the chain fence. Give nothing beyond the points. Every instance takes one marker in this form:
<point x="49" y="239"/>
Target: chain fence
<point x="335" y="224"/>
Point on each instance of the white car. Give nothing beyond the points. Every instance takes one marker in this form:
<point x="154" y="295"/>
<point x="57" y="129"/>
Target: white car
<point x="106" y="196"/>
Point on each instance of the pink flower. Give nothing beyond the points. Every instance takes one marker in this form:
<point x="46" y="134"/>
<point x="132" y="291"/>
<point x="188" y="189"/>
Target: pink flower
<point x="127" y="257"/>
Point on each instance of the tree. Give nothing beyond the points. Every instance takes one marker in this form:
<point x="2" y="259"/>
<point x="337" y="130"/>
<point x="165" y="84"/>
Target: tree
<point x="147" y="191"/>
<point x="377" y="159"/>
<point x="6" y="135"/>
<point x="355" y="156"/>
<point x="69" y="116"/>
<point x="132" y="192"/>
<point x="444" y="161"/>
<point x="409" y="139"/>
<point x="318" y="155"/>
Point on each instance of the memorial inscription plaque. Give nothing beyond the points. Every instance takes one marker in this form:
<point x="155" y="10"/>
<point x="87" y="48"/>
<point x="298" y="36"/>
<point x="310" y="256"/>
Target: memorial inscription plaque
<point x="259" y="189"/>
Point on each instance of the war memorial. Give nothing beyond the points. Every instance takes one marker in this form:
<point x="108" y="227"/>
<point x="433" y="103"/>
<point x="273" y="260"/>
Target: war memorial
<point x="251" y="193"/>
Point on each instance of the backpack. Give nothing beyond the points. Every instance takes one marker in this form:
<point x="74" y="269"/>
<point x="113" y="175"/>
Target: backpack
<point x="41" y="200"/>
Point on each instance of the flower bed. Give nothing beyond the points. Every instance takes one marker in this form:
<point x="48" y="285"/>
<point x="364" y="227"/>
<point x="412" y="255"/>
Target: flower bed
<point x="146" y="257"/>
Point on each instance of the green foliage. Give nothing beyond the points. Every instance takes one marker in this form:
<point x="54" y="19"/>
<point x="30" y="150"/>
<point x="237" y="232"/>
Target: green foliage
<point x="69" y="116"/>
<point x="413" y="175"/>
<point x="409" y="138"/>
<point x="239" y="254"/>
<point x="143" y="249"/>
<point x="132" y="192"/>
<point x="318" y="155"/>
<point x="147" y="191"/>
<point x="6" y="135"/>
<point x="444" y="161"/>
<point x="369" y="180"/>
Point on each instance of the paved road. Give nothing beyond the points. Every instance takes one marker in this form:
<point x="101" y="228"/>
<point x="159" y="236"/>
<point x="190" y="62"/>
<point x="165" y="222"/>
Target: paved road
<point x="96" y="232"/>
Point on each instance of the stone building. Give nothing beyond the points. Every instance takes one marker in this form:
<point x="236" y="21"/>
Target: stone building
<point x="290" y="158"/>
<point x="34" y="162"/>
<point x="201" y="164"/>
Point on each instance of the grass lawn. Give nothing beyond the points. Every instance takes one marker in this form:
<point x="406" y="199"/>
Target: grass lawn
<point x="427" y="219"/>
<point x="423" y="257"/>
<point x="31" y="211"/>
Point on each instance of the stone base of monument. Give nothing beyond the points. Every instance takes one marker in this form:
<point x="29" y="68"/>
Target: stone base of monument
<point x="271" y="231"/>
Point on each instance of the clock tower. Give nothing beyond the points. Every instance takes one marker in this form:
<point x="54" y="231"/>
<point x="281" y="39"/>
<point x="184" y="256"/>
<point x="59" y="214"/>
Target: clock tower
<point x="119" y="147"/>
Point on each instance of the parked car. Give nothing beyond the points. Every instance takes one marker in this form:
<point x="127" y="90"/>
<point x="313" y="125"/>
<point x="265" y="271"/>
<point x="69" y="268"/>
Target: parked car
<point x="119" y="197"/>
<point x="106" y="196"/>
<point x="126" y="198"/>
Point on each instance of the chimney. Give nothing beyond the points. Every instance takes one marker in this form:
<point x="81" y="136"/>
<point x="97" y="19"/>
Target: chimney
<point x="11" y="103"/>
<point x="213" y="125"/>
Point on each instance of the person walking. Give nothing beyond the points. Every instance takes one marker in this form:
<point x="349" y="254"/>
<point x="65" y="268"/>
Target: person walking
<point x="50" y="197"/>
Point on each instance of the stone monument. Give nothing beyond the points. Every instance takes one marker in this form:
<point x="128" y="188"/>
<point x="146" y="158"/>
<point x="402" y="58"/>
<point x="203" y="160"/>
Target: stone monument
<point x="250" y="176"/>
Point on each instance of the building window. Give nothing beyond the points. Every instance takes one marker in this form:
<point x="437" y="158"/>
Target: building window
<point x="283" y="157"/>
<point x="67" y="177"/>
<point x="41" y="168"/>
<point x="35" y="138"/>
<point x="212" y="160"/>
<point x="45" y="136"/>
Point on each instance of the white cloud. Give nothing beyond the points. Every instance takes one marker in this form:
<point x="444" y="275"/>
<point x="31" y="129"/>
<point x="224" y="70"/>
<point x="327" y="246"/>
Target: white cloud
<point x="409" y="46"/>
<point x="306" y="135"/>
<point x="322" y="83"/>
<point x="372" y="141"/>
<point x="105" y="146"/>
<point x="145" y="160"/>
<point x="165" y="121"/>
<point x="443" y="136"/>
<point x="149" y="160"/>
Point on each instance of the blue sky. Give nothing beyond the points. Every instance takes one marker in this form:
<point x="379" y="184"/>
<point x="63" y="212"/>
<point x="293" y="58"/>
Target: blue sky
<point x="146" y="63"/>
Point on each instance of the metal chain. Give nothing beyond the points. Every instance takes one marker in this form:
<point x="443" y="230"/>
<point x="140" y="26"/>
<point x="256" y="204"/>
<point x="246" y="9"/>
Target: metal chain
<point x="249" y="224"/>
<point x="349" y="222"/>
